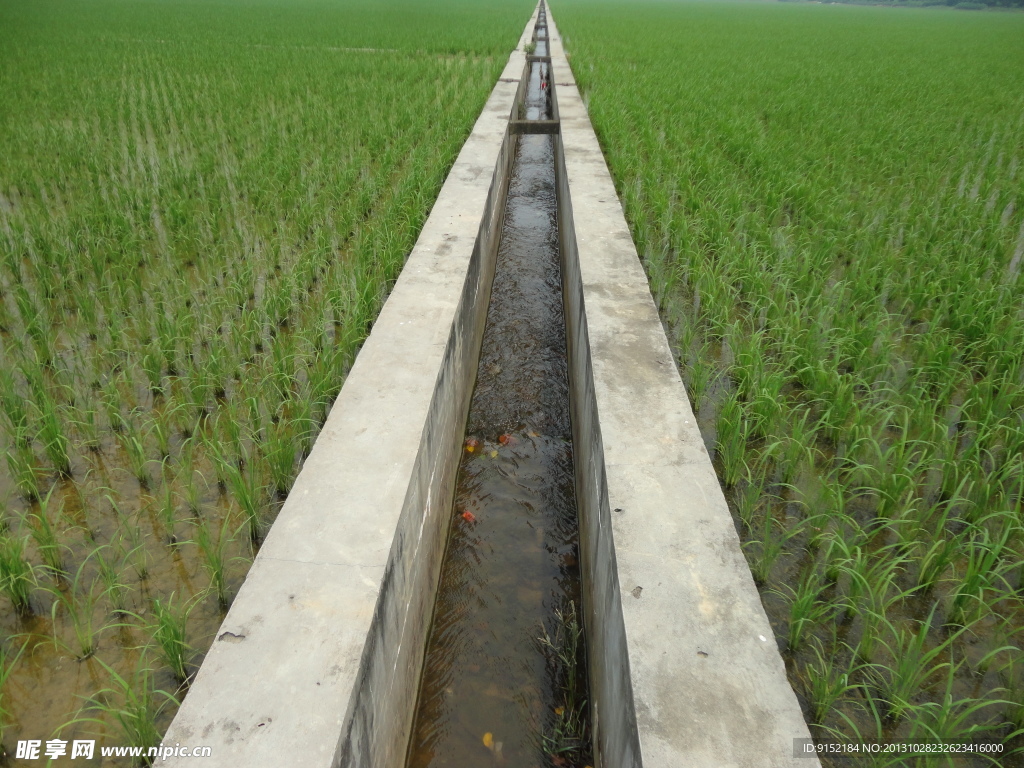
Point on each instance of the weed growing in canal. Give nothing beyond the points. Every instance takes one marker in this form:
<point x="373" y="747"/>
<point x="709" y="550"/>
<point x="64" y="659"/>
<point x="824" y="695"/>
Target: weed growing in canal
<point x="566" y="739"/>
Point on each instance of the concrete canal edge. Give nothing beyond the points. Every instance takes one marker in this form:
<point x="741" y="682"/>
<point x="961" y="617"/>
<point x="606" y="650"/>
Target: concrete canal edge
<point x="674" y="616"/>
<point x="318" y="660"/>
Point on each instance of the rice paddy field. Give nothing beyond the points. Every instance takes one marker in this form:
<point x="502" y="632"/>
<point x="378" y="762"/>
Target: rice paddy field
<point x="203" y="204"/>
<point x="828" y="201"/>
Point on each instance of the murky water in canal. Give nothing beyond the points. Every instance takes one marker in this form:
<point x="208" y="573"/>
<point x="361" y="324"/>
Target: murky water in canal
<point x="492" y="693"/>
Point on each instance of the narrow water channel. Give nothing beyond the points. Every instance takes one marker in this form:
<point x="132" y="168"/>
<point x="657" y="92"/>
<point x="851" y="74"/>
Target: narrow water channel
<point x="493" y="692"/>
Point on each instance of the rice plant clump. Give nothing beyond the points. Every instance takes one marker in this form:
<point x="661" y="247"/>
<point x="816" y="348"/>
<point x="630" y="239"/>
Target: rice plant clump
<point x="828" y="202"/>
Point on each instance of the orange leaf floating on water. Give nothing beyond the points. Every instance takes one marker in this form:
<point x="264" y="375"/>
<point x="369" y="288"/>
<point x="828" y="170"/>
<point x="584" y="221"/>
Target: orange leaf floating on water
<point x="489" y="740"/>
<point x="506" y="440"/>
<point x="469" y="517"/>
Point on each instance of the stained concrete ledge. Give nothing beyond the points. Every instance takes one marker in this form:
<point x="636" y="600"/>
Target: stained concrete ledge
<point x="675" y="623"/>
<point x="318" y="660"/>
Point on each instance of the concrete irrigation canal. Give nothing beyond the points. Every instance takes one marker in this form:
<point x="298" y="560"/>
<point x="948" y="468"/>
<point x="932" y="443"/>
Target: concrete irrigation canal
<point x="508" y="546"/>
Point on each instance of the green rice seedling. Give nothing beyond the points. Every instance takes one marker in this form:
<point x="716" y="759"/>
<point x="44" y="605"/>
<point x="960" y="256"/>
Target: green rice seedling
<point x="132" y="702"/>
<point x="913" y="661"/>
<point x="733" y="433"/>
<point x="168" y="628"/>
<point x="935" y="560"/>
<point x="700" y="376"/>
<point x="764" y="551"/>
<point x="110" y="563"/>
<point x="958" y="720"/>
<point x="86" y="422"/>
<point x="820" y="531"/>
<point x="131" y="441"/>
<point x="13" y="408"/>
<point x="131" y="543"/>
<point x="162" y="429"/>
<point x="17" y="574"/>
<point x="215" y="559"/>
<point x="192" y="491"/>
<point x="837" y="554"/>
<point x="44" y="534"/>
<point x="838" y="408"/>
<point x="806" y="608"/>
<point x="828" y="682"/>
<point x="984" y="570"/>
<point x="110" y="400"/>
<point x="798" y="448"/>
<point x="749" y="496"/>
<point x="232" y="424"/>
<point x="873" y="578"/>
<point x="51" y="434"/>
<point x="77" y="601"/>
<point x="167" y="511"/>
<point x="21" y="464"/>
<point x="246" y="489"/>
<point x="152" y="366"/>
<point x="281" y="450"/>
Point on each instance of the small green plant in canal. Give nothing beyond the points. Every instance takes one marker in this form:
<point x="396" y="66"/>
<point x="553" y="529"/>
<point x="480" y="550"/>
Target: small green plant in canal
<point x="566" y="739"/>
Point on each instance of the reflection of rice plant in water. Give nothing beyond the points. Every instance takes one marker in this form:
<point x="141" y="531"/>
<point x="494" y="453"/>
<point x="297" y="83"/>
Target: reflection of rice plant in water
<point x="844" y="296"/>
<point x="185" y="277"/>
